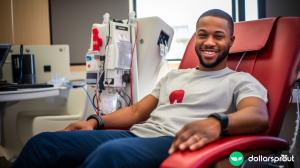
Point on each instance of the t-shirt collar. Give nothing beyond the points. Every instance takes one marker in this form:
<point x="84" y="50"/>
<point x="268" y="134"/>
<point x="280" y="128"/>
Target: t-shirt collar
<point x="218" y="72"/>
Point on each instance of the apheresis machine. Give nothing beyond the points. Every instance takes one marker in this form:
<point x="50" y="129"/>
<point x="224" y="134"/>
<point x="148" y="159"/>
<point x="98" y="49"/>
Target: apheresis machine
<point x="124" y="60"/>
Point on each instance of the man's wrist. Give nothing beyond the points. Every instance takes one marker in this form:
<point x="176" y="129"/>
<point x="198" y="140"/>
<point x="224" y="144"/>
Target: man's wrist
<point x="223" y="120"/>
<point x="93" y="122"/>
<point x="96" y="119"/>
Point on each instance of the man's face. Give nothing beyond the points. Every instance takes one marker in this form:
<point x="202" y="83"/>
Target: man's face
<point x="213" y="41"/>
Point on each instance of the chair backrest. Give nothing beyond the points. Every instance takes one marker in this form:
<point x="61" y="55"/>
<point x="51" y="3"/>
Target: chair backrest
<point x="269" y="49"/>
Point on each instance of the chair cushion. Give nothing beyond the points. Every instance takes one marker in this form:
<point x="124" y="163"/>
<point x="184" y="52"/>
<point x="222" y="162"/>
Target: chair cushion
<point x="252" y="35"/>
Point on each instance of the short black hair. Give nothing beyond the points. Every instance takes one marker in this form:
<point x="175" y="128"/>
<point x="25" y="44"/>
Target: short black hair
<point x="220" y="14"/>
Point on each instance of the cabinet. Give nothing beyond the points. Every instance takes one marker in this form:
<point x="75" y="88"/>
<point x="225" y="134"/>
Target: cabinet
<point x="24" y="22"/>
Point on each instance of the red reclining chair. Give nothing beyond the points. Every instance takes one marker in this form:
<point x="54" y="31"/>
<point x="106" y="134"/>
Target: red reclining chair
<point x="269" y="49"/>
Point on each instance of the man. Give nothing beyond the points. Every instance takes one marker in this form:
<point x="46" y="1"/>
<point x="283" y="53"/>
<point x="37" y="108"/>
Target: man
<point x="187" y="110"/>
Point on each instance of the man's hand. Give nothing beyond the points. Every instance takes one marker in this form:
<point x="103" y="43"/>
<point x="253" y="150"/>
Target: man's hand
<point x="196" y="134"/>
<point x="81" y="125"/>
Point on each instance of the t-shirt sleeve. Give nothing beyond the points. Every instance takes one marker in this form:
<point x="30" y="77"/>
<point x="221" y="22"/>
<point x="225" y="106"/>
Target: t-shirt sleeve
<point x="248" y="86"/>
<point x="156" y="91"/>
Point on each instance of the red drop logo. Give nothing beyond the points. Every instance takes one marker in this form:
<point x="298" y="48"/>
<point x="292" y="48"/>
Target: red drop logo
<point x="97" y="40"/>
<point x="176" y="96"/>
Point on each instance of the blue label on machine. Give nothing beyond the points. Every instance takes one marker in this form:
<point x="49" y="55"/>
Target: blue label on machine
<point x="88" y="58"/>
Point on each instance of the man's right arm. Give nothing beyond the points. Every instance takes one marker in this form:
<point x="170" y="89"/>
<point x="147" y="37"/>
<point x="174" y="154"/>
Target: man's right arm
<point x="122" y="118"/>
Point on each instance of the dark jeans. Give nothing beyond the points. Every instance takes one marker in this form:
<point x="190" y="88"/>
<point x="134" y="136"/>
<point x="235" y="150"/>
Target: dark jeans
<point x="103" y="149"/>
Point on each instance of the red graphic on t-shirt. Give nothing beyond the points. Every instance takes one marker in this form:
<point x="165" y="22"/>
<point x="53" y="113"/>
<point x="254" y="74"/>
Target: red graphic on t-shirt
<point x="176" y="96"/>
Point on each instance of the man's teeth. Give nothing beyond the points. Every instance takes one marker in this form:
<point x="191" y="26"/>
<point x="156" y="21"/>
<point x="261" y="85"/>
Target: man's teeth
<point x="209" y="52"/>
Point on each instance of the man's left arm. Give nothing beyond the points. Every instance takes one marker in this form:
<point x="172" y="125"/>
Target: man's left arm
<point x="251" y="117"/>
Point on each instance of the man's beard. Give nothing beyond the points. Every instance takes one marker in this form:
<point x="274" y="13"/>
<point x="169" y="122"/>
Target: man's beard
<point x="220" y="58"/>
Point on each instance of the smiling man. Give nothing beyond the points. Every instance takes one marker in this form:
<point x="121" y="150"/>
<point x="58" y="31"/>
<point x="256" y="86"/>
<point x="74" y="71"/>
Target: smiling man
<point x="185" y="111"/>
<point x="213" y="41"/>
<point x="221" y="88"/>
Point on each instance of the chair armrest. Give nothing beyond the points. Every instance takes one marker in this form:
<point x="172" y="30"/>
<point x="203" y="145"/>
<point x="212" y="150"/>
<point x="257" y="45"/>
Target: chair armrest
<point x="222" y="148"/>
<point x="52" y="123"/>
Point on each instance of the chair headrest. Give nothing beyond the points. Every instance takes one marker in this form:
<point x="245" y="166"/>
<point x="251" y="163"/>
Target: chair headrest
<point x="251" y="35"/>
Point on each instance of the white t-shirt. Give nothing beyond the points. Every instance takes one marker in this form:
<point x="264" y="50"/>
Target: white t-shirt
<point x="187" y="95"/>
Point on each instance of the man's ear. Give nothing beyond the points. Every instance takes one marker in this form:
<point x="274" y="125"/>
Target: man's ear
<point x="232" y="38"/>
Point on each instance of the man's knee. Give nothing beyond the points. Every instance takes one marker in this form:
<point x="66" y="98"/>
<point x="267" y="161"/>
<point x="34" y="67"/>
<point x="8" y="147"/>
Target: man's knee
<point x="39" y="140"/>
<point x="33" y="154"/>
<point x="112" y="152"/>
<point x="111" y="148"/>
<point x="109" y="154"/>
